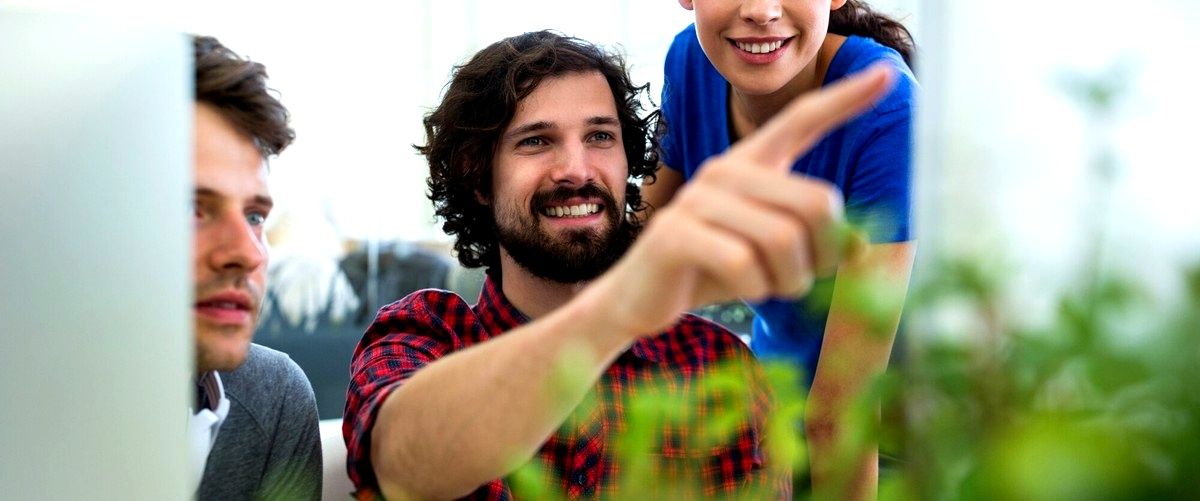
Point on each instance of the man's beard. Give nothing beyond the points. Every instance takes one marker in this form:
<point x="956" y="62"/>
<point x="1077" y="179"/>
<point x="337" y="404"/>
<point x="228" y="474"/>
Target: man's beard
<point x="574" y="255"/>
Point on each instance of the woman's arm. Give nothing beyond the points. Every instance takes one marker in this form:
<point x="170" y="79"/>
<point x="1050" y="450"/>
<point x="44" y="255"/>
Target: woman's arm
<point x="856" y="349"/>
<point x="656" y="194"/>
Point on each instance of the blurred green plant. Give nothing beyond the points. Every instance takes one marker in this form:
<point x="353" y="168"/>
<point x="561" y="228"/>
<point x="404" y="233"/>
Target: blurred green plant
<point x="1079" y="409"/>
<point x="1099" y="401"/>
<point x="1096" y="403"/>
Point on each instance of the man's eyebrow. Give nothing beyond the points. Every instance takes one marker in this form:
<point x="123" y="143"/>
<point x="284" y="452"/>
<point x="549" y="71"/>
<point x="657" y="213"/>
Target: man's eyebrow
<point x="604" y="120"/>
<point x="529" y="127"/>
<point x="206" y="192"/>
<point x="544" y="125"/>
<point x="264" y="200"/>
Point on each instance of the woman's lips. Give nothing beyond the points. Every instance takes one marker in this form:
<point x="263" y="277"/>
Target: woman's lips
<point x="760" y="50"/>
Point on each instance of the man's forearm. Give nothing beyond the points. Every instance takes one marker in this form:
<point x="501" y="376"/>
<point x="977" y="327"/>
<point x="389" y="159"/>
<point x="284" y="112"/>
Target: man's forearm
<point x="477" y="414"/>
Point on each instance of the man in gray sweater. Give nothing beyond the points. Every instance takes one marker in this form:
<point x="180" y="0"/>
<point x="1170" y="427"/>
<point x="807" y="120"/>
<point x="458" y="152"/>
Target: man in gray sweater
<point x="252" y="431"/>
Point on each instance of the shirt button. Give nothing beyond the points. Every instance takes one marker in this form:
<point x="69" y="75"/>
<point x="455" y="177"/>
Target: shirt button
<point x="581" y="478"/>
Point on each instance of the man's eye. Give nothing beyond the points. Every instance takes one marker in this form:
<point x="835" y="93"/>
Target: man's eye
<point x="256" y="218"/>
<point x="603" y="136"/>
<point x="199" y="211"/>
<point x="532" y="141"/>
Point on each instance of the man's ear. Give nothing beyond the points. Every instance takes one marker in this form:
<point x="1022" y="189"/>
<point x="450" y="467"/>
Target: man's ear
<point x="484" y="198"/>
<point x="687" y="4"/>
<point x="834" y="5"/>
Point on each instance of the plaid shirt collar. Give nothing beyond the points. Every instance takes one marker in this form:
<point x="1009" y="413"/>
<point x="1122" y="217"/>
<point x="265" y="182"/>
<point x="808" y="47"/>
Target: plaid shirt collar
<point x="499" y="316"/>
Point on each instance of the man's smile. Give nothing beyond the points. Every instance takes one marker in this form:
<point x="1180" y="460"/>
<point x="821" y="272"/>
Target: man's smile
<point x="578" y="210"/>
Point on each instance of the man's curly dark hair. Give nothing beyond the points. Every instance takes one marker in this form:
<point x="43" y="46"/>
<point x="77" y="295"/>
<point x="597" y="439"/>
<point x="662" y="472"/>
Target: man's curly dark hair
<point x="237" y="88"/>
<point x="464" y="131"/>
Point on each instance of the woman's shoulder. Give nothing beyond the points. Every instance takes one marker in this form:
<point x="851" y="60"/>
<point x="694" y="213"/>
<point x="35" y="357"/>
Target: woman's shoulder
<point x="685" y="38"/>
<point x="691" y="84"/>
<point x="684" y="50"/>
<point x="857" y="53"/>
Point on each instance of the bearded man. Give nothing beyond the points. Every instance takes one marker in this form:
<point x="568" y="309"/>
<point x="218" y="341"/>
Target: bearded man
<point x="532" y="154"/>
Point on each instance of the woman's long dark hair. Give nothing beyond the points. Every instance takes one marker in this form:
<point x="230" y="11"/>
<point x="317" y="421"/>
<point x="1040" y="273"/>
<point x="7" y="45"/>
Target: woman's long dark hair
<point x="858" y="18"/>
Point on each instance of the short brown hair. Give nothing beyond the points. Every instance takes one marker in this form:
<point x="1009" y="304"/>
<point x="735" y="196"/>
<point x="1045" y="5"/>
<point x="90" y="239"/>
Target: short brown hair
<point x="480" y="101"/>
<point x="237" y="88"/>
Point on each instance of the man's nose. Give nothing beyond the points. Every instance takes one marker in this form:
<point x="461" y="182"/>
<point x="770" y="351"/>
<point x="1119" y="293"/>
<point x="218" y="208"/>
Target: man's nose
<point x="761" y="12"/>
<point x="238" y="245"/>
<point x="573" y="167"/>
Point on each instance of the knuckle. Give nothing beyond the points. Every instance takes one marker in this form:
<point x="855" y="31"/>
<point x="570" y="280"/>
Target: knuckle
<point x="663" y="218"/>
<point x="803" y="283"/>
<point x="754" y="289"/>
<point x="739" y="260"/>
<point x="691" y="198"/>
<point x="755" y="284"/>
<point x="706" y="170"/>
<point x="666" y="228"/>
<point x="825" y="197"/>
<point x="783" y="236"/>
<point x="834" y="204"/>
<point x="717" y="171"/>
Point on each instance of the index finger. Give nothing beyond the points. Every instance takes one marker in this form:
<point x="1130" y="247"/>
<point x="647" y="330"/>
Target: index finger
<point x="807" y="118"/>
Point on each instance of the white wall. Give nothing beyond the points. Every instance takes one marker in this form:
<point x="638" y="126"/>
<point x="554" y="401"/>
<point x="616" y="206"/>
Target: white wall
<point x="1007" y="153"/>
<point x="359" y="76"/>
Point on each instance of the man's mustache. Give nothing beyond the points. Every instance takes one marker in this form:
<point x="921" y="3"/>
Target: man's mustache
<point x="559" y="194"/>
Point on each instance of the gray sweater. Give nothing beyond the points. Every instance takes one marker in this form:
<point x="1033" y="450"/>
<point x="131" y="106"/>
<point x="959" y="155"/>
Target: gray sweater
<point x="269" y="446"/>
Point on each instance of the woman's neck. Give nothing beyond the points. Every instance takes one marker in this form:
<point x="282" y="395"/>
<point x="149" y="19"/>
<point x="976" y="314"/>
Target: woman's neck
<point x="748" y="112"/>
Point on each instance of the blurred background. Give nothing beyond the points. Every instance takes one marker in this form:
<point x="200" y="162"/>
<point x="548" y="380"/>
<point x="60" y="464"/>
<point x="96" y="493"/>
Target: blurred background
<point x="1056" y="214"/>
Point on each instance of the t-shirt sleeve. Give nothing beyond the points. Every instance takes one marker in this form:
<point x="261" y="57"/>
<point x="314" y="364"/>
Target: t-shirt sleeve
<point x="670" y="149"/>
<point x="405" y="337"/>
<point x="879" y="194"/>
<point x="294" y="466"/>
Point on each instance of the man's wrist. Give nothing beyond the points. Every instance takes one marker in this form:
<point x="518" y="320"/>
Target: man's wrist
<point x="592" y="312"/>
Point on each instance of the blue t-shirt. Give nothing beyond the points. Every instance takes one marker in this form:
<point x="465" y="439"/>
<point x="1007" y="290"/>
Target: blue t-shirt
<point x="869" y="159"/>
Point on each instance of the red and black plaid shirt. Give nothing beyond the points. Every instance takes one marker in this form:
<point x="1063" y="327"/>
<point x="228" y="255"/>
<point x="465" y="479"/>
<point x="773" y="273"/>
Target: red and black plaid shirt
<point x="427" y="325"/>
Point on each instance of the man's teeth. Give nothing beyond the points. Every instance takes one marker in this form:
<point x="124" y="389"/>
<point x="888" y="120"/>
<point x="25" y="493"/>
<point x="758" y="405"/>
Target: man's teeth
<point x="224" y="305"/>
<point x="572" y="210"/>
<point x="760" y="48"/>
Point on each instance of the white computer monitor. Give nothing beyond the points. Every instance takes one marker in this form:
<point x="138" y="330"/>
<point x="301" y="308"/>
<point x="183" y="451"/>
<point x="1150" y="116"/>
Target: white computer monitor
<point x="95" y="355"/>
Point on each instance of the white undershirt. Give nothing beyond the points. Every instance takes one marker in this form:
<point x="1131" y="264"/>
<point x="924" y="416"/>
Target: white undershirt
<point x="203" y="425"/>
